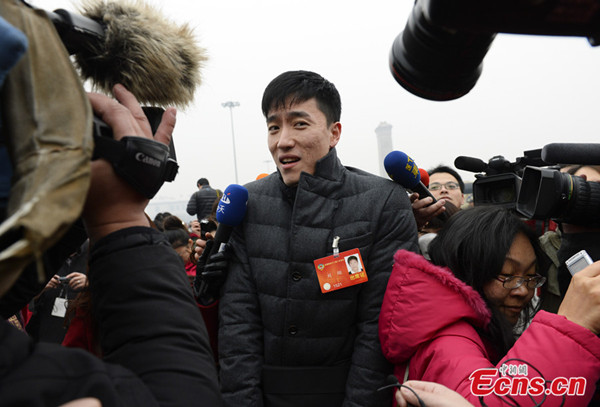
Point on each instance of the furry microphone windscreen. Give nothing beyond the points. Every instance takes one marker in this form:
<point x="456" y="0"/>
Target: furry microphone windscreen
<point x="158" y="61"/>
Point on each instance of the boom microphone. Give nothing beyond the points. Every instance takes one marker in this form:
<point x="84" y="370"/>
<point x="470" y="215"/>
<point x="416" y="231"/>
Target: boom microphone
<point x="230" y="213"/>
<point x="572" y="153"/>
<point x="470" y="164"/>
<point x="130" y="43"/>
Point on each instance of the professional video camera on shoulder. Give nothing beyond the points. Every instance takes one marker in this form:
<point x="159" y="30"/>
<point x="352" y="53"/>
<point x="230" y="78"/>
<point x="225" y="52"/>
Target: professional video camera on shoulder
<point x="118" y="42"/>
<point x="499" y="180"/>
<point x="547" y="193"/>
<point x="535" y="187"/>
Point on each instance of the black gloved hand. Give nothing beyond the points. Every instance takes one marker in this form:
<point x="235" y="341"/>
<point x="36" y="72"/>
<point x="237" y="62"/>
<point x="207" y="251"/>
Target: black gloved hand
<point x="210" y="274"/>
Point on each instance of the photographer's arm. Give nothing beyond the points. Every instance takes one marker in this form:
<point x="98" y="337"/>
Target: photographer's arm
<point x="147" y="318"/>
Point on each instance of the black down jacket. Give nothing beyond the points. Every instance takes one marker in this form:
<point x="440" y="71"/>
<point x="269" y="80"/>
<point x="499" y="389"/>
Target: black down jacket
<point x="282" y="341"/>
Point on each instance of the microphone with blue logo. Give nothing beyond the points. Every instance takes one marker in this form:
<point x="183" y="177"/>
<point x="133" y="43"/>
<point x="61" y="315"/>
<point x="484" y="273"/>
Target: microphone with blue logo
<point x="211" y="269"/>
<point x="230" y="213"/>
<point x="403" y="170"/>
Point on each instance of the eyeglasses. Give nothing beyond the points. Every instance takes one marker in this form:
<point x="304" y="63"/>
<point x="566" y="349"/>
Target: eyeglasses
<point x="450" y="186"/>
<point x="514" y="282"/>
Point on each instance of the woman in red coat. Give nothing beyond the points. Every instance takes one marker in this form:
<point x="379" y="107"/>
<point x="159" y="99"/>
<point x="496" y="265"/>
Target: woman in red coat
<point x="455" y="321"/>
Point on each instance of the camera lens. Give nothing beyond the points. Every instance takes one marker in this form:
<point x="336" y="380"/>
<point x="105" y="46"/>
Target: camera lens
<point x="434" y="63"/>
<point x="583" y="207"/>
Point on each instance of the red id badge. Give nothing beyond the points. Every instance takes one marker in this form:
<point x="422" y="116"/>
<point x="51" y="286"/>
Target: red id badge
<point x="337" y="272"/>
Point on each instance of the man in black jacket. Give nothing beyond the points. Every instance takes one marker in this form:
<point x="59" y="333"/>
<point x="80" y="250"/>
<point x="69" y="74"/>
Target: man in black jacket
<point x="293" y="330"/>
<point x="201" y="201"/>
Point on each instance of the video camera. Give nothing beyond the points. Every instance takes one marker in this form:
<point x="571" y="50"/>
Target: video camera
<point x="534" y="186"/>
<point x="144" y="164"/>
<point x="499" y="180"/>
<point x="439" y="55"/>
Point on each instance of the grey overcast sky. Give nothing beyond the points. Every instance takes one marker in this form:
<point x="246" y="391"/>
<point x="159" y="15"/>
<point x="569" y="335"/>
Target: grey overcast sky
<point x="534" y="90"/>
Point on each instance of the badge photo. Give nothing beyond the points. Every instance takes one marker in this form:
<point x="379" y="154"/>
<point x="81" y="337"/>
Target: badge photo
<point x="340" y="271"/>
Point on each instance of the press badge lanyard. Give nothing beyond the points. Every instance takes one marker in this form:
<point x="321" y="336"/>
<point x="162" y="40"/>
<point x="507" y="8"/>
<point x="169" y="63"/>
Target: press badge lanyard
<point x="60" y="304"/>
<point x="336" y="249"/>
<point x="340" y="270"/>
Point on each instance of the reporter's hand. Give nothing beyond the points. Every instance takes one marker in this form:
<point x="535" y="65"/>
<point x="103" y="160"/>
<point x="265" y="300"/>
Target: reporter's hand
<point x="432" y="394"/>
<point x="211" y="273"/>
<point x="111" y="203"/>
<point x="424" y="210"/>
<point x="53" y="283"/>
<point x="77" y="281"/>
<point x="201" y="245"/>
<point x="581" y="303"/>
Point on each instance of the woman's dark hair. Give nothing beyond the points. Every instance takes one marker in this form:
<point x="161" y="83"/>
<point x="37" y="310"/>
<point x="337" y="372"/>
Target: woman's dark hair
<point x="177" y="237"/>
<point x="473" y="245"/>
<point x="173" y="222"/>
<point x="159" y="218"/>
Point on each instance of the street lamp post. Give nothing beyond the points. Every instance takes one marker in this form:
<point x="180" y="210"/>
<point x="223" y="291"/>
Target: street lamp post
<point x="231" y="105"/>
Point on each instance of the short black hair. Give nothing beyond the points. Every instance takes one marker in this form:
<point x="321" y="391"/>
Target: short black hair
<point x="202" y="181"/>
<point x="352" y="258"/>
<point x="446" y="169"/>
<point x="294" y="87"/>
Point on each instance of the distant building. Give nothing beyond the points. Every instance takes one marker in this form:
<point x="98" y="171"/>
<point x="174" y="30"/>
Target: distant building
<point x="384" y="144"/>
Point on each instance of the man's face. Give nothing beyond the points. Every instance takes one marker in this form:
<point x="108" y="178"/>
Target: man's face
<point x="441" y="179"/>
<point x="353" y="265"/>
<point x="298" y="137"/>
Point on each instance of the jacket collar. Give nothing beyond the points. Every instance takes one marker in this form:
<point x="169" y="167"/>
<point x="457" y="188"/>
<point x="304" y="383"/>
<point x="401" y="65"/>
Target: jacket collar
<point x="328" y="168"/>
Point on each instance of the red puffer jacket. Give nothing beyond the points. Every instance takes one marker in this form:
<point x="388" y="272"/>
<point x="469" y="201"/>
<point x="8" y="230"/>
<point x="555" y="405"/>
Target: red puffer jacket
<point x="429" y="318"/>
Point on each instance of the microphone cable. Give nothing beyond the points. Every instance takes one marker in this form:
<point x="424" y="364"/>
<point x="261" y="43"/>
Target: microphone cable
<point x="397" y="384"/>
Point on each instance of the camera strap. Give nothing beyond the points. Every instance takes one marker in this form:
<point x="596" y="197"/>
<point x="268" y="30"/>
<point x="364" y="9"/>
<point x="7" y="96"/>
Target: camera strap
<point x="145" y="164"/>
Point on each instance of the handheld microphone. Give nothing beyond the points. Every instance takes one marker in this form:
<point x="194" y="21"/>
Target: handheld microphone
<point x="424" y="177"/>
<point x="130" y="43"/>
<point x="230" y="213"/>
<point x="571" y="153"/>
<point x="403" y="170"/>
